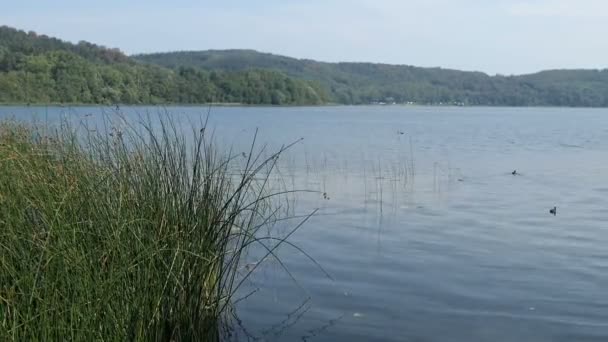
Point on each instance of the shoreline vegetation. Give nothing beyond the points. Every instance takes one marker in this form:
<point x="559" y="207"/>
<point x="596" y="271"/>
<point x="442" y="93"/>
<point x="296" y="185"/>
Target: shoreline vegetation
<point x="244" y="105"/>
<point x="160" y="105"/>
<point x="132" y="232"/>
<point x="40" y="69"/>
<point x="37" y="69"/>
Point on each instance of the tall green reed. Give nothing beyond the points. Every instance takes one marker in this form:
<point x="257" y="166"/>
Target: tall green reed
<point x="130" y="233"/>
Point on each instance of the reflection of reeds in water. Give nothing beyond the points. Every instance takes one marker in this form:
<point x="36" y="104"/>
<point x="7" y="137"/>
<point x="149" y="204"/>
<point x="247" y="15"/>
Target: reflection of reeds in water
<point x="295" y="316"/>
<point x="444" y="176"/>
<point x="396" y="174"/>
<point x="390" y="179"/>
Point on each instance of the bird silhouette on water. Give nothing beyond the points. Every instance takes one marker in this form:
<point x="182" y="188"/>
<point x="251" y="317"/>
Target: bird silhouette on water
<point x="553" y="211"/>
<point x="514" y="172"/>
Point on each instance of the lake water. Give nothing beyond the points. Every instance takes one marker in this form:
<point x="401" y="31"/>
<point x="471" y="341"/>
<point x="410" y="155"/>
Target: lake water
<point x="426" y="234"/>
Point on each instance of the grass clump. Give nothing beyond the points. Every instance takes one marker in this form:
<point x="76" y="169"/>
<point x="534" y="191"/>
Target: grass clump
<point x="132" y="234"/>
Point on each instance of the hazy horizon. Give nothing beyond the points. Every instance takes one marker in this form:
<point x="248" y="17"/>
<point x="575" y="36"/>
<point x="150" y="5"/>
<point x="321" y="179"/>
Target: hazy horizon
<point x="509" y="37"/>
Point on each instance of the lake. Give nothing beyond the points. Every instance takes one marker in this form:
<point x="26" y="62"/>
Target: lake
<point x="425" y="233"/>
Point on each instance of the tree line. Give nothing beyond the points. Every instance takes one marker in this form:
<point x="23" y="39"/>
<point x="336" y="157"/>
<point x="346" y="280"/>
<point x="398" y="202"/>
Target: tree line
<point x="362" y="83"/>
<point x="39" y="69"/>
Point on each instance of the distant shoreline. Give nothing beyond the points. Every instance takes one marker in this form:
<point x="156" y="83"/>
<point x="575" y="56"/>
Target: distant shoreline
<point x="46" y="71"/>
<point x="244" y="105"/>
<point x="6" y="104"/>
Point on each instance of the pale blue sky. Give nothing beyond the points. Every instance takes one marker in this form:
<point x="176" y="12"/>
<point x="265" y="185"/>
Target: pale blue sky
<point x="494" y="36"/>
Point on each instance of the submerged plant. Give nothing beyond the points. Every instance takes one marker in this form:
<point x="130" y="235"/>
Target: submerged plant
<point x="134" y="233"/>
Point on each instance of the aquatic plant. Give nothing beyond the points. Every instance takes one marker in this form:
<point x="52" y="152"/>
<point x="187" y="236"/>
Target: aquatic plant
<point x="132" y="232"/>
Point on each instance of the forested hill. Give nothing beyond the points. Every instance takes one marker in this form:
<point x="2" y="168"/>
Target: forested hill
<point x="38" y="69"/>
<point x="361" y="83"/>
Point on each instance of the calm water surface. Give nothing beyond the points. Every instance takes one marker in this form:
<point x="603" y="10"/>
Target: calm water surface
<point x="426" y="234"/>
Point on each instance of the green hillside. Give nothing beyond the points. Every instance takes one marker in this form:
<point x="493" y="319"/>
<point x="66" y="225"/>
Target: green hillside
<point x="39" y="69"/>
<point x="360" y="83"/>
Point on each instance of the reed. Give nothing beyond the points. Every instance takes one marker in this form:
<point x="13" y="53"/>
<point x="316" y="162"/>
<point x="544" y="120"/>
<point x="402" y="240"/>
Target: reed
<point x="123" y="234"/>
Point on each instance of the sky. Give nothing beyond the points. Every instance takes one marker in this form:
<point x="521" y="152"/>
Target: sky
<point x="493" y="36"/>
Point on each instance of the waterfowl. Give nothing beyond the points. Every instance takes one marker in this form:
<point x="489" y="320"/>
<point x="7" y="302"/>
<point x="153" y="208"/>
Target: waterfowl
<point x="553" y="211"/>
<point x="514" y="172"/>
